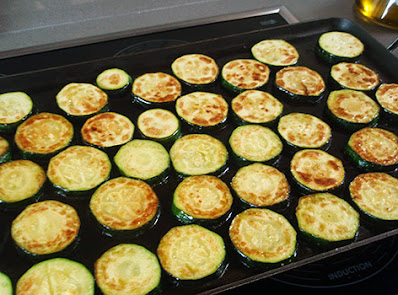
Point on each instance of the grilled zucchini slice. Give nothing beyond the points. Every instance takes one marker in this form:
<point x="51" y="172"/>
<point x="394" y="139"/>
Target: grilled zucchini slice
<point x="128" y="269"/>
<point x="43" y="135"/>
<point x="56" y="276"/>
<point x="315" y="170"/>
<point x="202" y="199"/>
<point x="327" y="218"/>
<point x="5" y="150"/>
<point x="15" y="107"/>
<point x="299" y="84"/>
<point x="353" y="76"/>
<point x="254" y="143"/>
<point x="125" y="207"/>
<point x="256" y="107"/>
<point x="275" y="53"/>
<point x="263" y="238"/>
<point x="195" y="70"/>
<point x="259" y="185"/>
<point x="334" y="47"/>
<point x="143" y="159"/>
<point x="304" y="131"/>
<point x="376" y="194"/>
<point x="192" y="253"/>
<point x="22" y="183"/>
<point x="387" y="97"/>
<point x="5" y="285"/>
<point x="156" y="89"/>
<point x="196" y="154"/>
<point x="243" y="74"/>
<point x="114" y="81"/>
<point x="351" y="109"/>
<point x="159" y="125"/>
<point x="202" y="110"/>
<point x="45" y="228"/>
<point x="81" y="100"/>
<point x="373" y="149"/>
<point x="107" y="130"/>
<point x="78" y="170"/>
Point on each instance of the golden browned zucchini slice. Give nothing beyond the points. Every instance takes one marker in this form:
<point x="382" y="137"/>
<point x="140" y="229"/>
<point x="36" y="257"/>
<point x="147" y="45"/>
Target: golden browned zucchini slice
<point x="354" y="76"/>
<point x="387" y="96"/>
<point x="275" y="52"/>
<point x="5" y="150"/>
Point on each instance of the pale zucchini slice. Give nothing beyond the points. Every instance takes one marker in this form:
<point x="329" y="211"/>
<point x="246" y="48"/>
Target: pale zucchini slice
<point x="5" y="285"/>
<point x="81" y="99"/>
<point x="124" y="206"/>
<point x="15" y="107"/>
<point x="262" y="237"/>
<point x="376" y="194"/>
<point x="354" y="76"/>
<point x="195" y="70"/>
<point x="107" y="129"/>
<point x="260" y="185"/>
<point x="56" y="276"/>
<point x="114" y="81"/>
<point x="192" y="252"/>
<point x="387" y="97"/>
<point x="196" y="154"/>
<point x="243" y="74"/>
<point x="327" y="217"/>
<point x="275" y="52"/>
<point x="45" y="228"/>
<point x="128" y="269"/>
<point x="43" y="135"/>
<point x="315" y="170"/>
<point x="78" y="169"/>
<point x="5" y="150"/>
<point x="202" y="110"/>
<point x="256" y="107"/>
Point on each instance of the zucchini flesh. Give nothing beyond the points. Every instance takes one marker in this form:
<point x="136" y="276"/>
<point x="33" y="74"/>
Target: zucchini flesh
<point x="387" y="97"/>
<point x="135" y="269"/>
<point x="5" y="285"/>
<point x="56" y="276"/>
<point x="275" y="53"/>
<point x="334" y="47"/>
<point x="15" y="107"/>
<point x="192" y="253"/>
<point x="114" y="81"/>
<point x="5" y="150"/>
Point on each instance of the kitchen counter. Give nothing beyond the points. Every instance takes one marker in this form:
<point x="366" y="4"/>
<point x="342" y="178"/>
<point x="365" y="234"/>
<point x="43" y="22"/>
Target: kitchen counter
<point x="34" y="26"/>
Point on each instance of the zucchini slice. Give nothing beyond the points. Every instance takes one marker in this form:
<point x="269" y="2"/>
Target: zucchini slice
<point x="202" y="110"/>
<point x="15" y="107"/>
<point x="304" y="131"/>
<point x="327" y="218"/>
<point x="334" y="47"/>
<point x="315" y="170"/>
<point x="195" y="70"/>
<point x="159" y="125"/>
<point x="78" y="169"/>
<point x="22" y="183"/>
<point x="387" y="97"/>
<point x="353" y="76"/>
<point x="156" y="89"/>
<point x="254" y="143"/>
<point x="43" y="135"/>
<point x="5" y="285"/>
<point x="373" y="149"/>
<point x="299" y="84"/>
<point x="256" y="107"/>
<point x="143" y="159"/>
<point x="124" y="207"/>
<point x="259" y="185"/>
<point x="81" y="100"/>
<point x="376" y="194"/>
<point x="107" y="130"/>
<point x="114" y="81"/>
<point x="202" y="199"/>
<point x="196" y="154"/>
<point x="352" y="109"/>
<point x="243" y="74"/>
<point x="45" y="228"/>
<point x="275" y="53"/>
<point x="191" y="253"/>
<point x="56" y="276"/>
<point x="128" y="269"/>
<point x="263" y="238"/>
<point x="5" y="150"/>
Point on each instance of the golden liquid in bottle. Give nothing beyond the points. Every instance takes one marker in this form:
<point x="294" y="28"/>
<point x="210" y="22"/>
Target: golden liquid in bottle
<point x="383" y="12"/>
